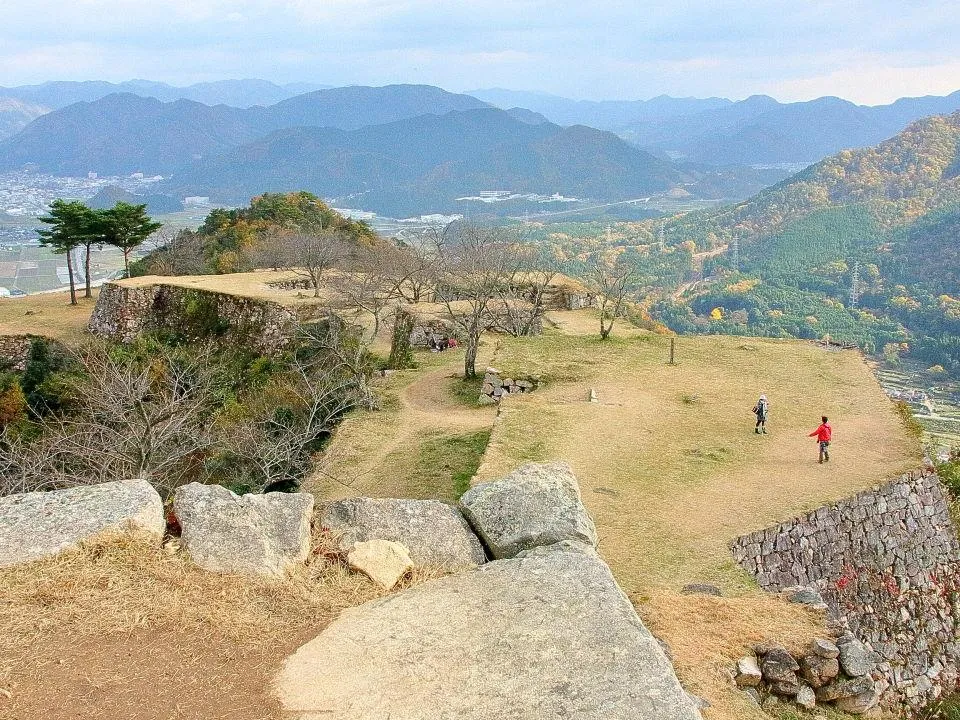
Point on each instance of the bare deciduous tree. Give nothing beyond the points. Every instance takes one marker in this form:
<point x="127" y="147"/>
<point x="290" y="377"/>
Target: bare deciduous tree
<point x="328" y="378"/>
<point x="611" y="278"/>
<point x="534" y="267"/>
<point x="371" y="285"/>
<point x="132" y="419"/>
<point x="177" y="253"/>
<point x="414" y="270"/>
<point x="474" y="265"/>
<point x="310" y="254"/>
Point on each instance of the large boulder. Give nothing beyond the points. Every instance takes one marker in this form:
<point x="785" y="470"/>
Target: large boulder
<point x="265" y="534"/>
<point x="39" y="524"/>
<point x="433" y="532"/>
<point x="545" y="635"/>
<point x="538" y="504"/>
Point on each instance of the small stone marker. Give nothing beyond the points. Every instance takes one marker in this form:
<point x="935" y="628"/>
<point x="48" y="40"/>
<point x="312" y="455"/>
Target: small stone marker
<point x="383" y="561"/>
<point x="593" y="396"/>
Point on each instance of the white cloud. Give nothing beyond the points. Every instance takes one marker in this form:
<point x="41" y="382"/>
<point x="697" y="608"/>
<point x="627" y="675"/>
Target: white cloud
<point x="868" y="50"/>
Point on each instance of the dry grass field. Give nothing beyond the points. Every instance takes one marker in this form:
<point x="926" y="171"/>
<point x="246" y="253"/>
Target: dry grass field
<point x="49" y="314"/>
<point x="668" y="462"/>
<point x="671" y="469"/>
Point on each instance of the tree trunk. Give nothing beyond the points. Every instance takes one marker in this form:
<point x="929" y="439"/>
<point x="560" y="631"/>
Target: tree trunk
<point x="470" y="358"/>
<point x="126" y="260"/>
<point x="73" y="287"/>
<point x="605" y="328"/>
<point x="86" y="264"/>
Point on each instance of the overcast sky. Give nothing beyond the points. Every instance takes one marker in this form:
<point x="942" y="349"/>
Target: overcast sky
<point x="869" y="51"/>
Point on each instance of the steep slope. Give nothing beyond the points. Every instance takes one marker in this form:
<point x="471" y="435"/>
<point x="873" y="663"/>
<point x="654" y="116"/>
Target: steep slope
<point x="900" y="179"/>
<point x="423" y="164"/>
<point x="875" y="227"/>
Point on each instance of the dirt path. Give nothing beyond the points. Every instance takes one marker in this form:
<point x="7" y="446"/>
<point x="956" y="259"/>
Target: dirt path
<point x="372" y="452"/>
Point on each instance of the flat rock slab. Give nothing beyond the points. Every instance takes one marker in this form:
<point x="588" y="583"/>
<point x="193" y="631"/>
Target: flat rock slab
<point x="39" y="524"/>
<point x="252" y="534"/>
<point x="538" y="504"/>
<point x="545" y="635"/>
<point x="433" y="532"/>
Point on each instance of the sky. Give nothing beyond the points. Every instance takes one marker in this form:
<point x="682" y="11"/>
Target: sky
<point x="867" y="51"/>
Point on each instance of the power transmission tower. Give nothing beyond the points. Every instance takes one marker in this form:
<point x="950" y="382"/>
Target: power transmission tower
<point x="855" y="284"/>
<point x="660" y="237"/>
<point x="609" y="235"/>
<point x="735" y="254"/>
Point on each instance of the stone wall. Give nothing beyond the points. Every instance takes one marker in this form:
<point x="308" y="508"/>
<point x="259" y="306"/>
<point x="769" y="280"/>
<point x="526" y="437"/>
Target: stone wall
<point x="887" y="563"/>
<point x="14" y="350"/>
<point x="123" y="312"/>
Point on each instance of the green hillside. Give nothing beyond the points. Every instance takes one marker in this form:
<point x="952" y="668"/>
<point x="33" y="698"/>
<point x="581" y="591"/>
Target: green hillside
<point x="861" y="247"/>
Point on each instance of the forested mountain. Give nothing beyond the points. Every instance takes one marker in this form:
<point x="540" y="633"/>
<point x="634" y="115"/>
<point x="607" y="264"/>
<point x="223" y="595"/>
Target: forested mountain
<point x="423" y="164"/>
<point x="862" y="246"/>
<point x="125" y="133"/>
<point x="156" y="204"/>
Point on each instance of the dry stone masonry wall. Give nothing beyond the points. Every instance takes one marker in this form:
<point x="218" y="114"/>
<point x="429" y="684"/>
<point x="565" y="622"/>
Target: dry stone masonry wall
<point x="495" y="386"/>
<point x="123" y="312"/>
<point x="14" y="350"/>
<point x="887" y="563"/>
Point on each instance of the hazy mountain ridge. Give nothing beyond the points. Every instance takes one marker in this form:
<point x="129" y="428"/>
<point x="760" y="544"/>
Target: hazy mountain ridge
<point x="238" y="93"/>
<point x="15" y="114"/>
<point x="716" y="131"/>
<point x="124" y="133"/>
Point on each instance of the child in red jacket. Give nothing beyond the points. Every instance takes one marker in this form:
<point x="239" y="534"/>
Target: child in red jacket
<point x="823" y="435"/>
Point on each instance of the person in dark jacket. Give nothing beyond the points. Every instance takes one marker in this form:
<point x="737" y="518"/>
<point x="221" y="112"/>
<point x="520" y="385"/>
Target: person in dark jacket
<point x="761" y="410"/>
<point x="823" y="434"/>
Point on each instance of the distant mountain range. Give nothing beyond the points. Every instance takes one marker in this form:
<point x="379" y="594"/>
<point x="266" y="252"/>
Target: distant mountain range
<point x="362" y="143"/>
<point x="716" y="131"/>
<point x="125" y="133"/>
<point x="238" y="93"/>
<point x="395" y="149"/>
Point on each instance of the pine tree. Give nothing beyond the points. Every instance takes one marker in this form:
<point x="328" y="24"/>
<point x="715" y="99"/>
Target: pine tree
<point x="70" y="224"/>
<point x="127" y="226"/>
